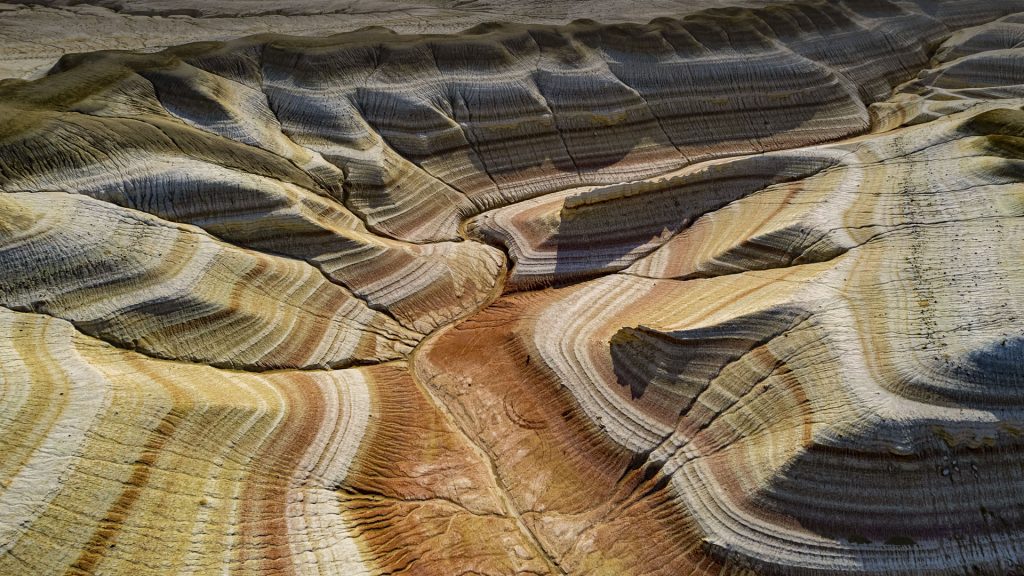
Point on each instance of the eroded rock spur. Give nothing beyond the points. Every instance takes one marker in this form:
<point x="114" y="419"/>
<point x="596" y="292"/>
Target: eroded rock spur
<point x="739" y="292"/>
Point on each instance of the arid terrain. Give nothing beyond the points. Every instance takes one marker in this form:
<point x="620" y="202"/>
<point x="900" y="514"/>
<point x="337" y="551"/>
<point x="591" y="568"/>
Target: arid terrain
<point x="489" y="288"/>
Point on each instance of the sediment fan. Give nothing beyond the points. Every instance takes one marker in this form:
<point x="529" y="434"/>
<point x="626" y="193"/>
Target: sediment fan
<point x="736" y="293"/>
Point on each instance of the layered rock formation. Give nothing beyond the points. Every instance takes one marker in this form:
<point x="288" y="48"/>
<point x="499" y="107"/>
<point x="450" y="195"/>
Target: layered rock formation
<point x="732" y="293"/>
<point x="35" y="33"/>
<point x="847" y="345"/>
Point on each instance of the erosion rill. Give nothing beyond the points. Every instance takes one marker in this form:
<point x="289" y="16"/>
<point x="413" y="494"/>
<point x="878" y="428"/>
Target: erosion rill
<point x="739" y="292"/>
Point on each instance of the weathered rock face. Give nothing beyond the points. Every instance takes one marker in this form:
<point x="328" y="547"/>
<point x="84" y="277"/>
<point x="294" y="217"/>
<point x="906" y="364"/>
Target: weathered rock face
<point x="736" y="293"/>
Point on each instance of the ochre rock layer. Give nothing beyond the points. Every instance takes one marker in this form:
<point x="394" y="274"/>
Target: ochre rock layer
<point x="736" y="293"/>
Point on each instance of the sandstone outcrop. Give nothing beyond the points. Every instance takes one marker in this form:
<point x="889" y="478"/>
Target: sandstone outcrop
<point x="738" y="292"/>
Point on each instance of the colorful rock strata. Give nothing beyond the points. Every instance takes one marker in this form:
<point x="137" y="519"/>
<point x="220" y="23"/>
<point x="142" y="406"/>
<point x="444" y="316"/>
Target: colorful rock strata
<point x="735" y="293"/>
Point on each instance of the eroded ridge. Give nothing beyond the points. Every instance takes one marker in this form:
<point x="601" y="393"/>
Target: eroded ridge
<point x="736" y="293"/>
<point x="835" y="387"/>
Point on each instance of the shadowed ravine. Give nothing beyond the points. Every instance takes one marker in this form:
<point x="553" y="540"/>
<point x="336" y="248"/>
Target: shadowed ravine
<point x="738" y="292"/>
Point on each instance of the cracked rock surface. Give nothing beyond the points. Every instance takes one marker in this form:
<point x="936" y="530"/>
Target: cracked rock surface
<point x="735" y="291"/>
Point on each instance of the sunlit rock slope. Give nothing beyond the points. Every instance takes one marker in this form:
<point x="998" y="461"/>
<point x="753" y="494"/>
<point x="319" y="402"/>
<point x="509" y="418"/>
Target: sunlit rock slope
<point x="739" y="292"/>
